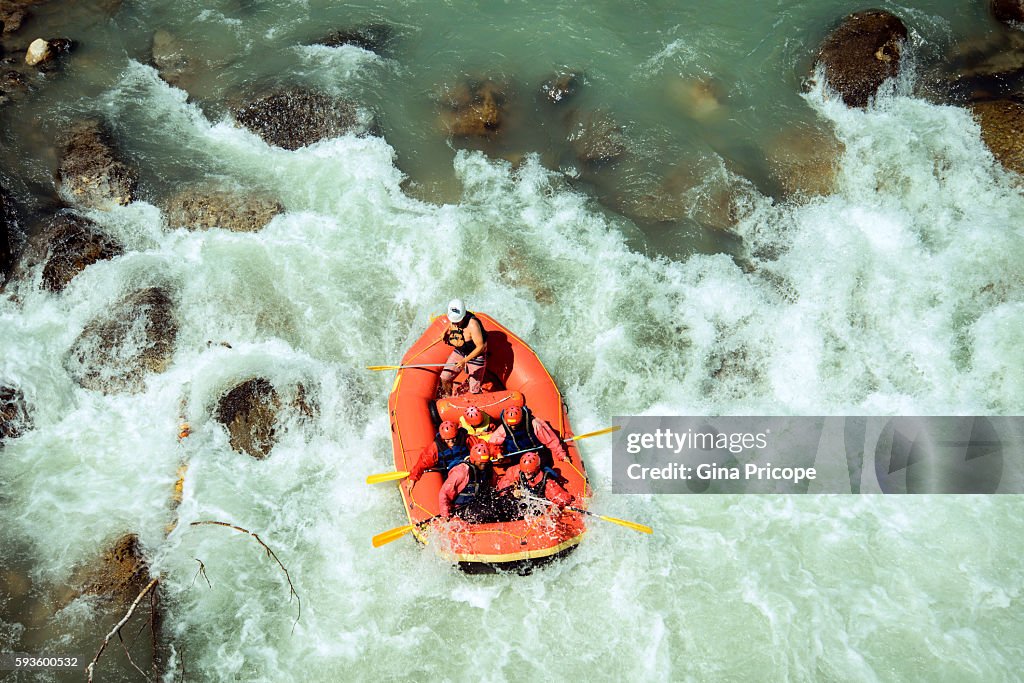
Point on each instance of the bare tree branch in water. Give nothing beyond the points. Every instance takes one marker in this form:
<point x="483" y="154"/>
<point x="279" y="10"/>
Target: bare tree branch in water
<point x="117" y="628"/>
<point x="129" y="656"/>
<point x="201" y="570"/>
<point x="270" y="553"/>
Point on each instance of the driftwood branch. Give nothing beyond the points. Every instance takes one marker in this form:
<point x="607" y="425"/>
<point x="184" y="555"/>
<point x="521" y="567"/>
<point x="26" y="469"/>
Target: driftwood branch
<point x="201" y="570"/>
<point x="117" y="628"/>
<point x="270" y="553"/>
<point x="129" y="656"/>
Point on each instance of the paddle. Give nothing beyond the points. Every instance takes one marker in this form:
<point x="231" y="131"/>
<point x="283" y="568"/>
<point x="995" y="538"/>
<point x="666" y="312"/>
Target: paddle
<point x="386" y="476"/>
<point x="632" y="525"/>
<point x="395" y="476"/>
<point x="402" y="367"/>
<point x="578" y="437"/>
<point x="396" y="533"/>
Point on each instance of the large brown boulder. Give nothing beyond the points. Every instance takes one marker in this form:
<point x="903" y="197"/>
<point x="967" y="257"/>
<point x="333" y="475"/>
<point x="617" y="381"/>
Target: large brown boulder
<point x="1002" y="129"/>
<point x="251" y="412"/>
<point x="200" y="208"/>
<point x="296" y="118"/>
<point x="474" y="108"/>
<point x="114" y="352"/>
<point x="90" y="172"/>
<point x="15" y="419"/>
<point x="1008" y="11"/>
<point x="75" y="242"/>
<point x="861" y="54"/>
<point x="595" y="137"/>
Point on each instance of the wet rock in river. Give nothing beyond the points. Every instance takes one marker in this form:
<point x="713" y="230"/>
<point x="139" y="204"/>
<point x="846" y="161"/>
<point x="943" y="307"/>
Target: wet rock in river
<point x="861" y="54"/>
<point x="42" y="51"/>
<point x="698" y="98"/>
<point x="988" y="68"/>
<point x="14" y="12"/>
<point x="372" y="37"/>
<point x="252" y="410"/>
<point x="199" y="208"/>
<point x="1002" y="129"/>
<point x="90" y="172"/>
<point x="120" y="575"/>
<point x="1008" y="11"/>
<point x="804" y="162"/>
<point x="595" y="137"/>
<point x="171" y="60"/>
<point x="115" y="351"/>
<point x="561" y="87"/>
<point x="75" y="242"/>
<point x="8" y="227"/>
<point x="474" y="108"/>
<point x="296" y="118"/>
<point x="249" y="412"/>
<point x="15" y="418"/>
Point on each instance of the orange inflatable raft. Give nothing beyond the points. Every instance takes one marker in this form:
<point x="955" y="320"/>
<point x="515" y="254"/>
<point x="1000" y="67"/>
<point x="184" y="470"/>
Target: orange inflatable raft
<point x="514" y="375"/>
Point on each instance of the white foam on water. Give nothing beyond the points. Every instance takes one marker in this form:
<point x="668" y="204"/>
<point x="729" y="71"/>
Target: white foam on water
<point x="900" y="292"/>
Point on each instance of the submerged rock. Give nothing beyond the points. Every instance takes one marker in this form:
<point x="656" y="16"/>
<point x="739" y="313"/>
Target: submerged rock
<point x="121" y="573"/>
<point x="90" y="172"/>
<point x="372" y="37"/>
<point x="116" y="579"/>
<point x="75" y="242"/>
<point x="474" y="108"/>
<point x="251" y="412"/>
<point x="595" y="137"/>
<point x="988" y="68"/>
<point x="114" y="352"/>
<point x="804" y="162"/>
<point x="1002" y="129"/>
<point x="198" y="208"/>
<point x="561" y="87"/>
<point x="172" y="62"/>
<point x="1008" y="11"/>
<point x="296" y="118"/>
<point x="698" y="98"/>
<point x="15" y="418"/>
<point x="861" y="54"/>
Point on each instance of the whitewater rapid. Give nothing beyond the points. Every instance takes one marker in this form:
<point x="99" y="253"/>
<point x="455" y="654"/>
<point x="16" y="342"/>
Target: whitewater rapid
<point x="900" y="293"/>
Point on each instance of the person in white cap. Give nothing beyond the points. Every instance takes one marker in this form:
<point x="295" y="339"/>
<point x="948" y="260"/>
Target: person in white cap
<point x="468" y="340"/>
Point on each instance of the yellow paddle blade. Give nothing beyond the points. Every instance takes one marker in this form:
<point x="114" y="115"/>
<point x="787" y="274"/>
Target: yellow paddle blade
<point x="599" y="432"/>
<point x="386" y="476"/>
<point x="632" y="525"/>
<point x="391" y="535"/>
<point x="383" y="367"/>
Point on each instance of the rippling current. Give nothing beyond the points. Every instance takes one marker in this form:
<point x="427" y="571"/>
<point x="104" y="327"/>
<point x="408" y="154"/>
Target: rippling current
<point x="900" y="291"/>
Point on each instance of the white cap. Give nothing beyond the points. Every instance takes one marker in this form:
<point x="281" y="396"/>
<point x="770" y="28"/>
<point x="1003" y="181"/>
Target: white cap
<point x="456" y="310"/>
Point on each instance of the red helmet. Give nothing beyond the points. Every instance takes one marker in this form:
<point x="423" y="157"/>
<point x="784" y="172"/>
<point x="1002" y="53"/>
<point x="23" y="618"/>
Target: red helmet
<point x="474" y="417"/>
<point x="480" y="454"/>
<point x="529" y="463"/>
<point x="513" y="415"/>
<point x="448" y="429"/>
